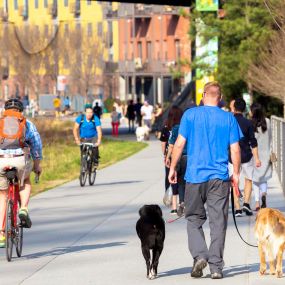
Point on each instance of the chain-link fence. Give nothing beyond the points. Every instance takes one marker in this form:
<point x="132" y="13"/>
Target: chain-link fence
<point x="278" y="147"/>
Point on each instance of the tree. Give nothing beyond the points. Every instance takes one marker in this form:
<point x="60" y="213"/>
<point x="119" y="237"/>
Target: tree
<point x="267" y="74"/>
<point x="86" y="61"/>
<point x="245" y="29"/>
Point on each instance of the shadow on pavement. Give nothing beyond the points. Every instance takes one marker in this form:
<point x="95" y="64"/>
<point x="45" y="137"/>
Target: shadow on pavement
<point x="118" y="183"/>
<point x="228" y="271"/>
<point x="177" y="271"/>
<point x="71" y="249"/>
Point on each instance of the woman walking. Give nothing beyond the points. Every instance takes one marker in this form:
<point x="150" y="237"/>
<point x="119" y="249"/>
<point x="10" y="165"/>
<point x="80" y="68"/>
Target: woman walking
<point x="263" y="135"/>
<point x="165" y="134"/>
<point x="115" y="116"/>
<point x="181" y="166"/>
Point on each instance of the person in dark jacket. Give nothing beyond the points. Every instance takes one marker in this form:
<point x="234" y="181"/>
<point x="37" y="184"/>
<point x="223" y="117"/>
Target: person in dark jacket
<point x="131" y="115"/>
<point x="138" y="107"/>
<point x="249" y="156"/>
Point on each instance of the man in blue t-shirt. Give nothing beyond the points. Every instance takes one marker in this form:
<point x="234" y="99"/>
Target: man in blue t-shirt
<point x="87" y="128"/>
<point x="209" y="133"/>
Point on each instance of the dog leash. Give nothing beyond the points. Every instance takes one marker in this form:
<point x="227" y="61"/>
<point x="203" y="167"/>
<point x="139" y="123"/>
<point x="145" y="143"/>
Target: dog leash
<point x="234" y="217"/>
<point x="175" y="219"/>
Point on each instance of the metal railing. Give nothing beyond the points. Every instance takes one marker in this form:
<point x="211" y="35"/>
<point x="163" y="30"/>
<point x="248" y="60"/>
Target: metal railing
<point x="278" y="147"/>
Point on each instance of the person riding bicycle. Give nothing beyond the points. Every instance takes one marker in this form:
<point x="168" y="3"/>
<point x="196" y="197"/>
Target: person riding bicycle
<point x="87" y="128"/>
<point x="20" y="147"/>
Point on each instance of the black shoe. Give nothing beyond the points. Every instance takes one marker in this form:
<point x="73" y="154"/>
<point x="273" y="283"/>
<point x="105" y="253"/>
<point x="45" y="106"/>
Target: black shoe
<point x="198" y="266"/>
<point x="173" y="212"/>
<point x="263" y="199"/>
<point x="246" y="208"/>
<point x="238" y="213"/>
<point x="217" y="275"/>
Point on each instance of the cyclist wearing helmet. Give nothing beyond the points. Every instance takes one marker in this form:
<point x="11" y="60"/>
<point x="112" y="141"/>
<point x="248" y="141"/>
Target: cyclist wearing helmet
<point x="20" y="147"/>
<point x="87" y="128"/>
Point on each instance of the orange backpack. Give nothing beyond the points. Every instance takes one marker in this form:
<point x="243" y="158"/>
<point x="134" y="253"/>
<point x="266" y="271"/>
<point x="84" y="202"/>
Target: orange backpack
<point x="12" y="130"/>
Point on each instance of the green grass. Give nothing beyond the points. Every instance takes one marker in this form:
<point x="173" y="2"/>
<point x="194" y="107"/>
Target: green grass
<point x="62" y="157"/>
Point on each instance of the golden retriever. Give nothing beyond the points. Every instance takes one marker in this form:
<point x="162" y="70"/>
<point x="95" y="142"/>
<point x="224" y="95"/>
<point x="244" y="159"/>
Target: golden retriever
<point x="270" y="234"/>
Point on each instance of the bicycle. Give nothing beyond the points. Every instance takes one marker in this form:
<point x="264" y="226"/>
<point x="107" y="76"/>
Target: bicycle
<point x="13" y="227"/>
<point x="88" y="166"/>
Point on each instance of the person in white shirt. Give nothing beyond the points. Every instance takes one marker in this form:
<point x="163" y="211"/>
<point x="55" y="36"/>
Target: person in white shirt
<point x="146" y="112"/>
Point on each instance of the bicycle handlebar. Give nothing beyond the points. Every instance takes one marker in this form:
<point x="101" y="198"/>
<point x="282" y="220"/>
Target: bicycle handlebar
<point x="90" y="144"/>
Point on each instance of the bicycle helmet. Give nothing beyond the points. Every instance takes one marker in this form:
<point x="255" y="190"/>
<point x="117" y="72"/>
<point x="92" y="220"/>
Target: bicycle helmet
<point x="14" y="103"/>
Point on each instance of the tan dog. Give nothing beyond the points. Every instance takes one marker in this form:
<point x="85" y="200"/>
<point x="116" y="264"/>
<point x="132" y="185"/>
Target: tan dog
<point x="270" y="234"/>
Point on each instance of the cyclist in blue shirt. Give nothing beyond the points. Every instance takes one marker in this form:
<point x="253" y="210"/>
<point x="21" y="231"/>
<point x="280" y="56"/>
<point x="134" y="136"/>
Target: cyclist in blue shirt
<point x="87" y="128"/>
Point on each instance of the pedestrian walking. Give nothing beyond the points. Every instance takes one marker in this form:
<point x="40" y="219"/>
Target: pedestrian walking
<point x="66" y="103"/>
<point x="138" y="107"/>
<point x="174" y="117"/>
<point x="157" y="119"/>
<point x="97" y="110"/>
<point x="147" y="112"/>
<point x="115" y="116"/>
<point x="131" y="115"/>
<point x="249" y="156"/>
<point x="181" y="165"/>
<point x="56" y="105"/>
<point x="261" y="175"/>
<point x="208" y="132"/>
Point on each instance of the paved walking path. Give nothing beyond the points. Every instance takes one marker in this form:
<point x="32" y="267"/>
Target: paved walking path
<point x="87" y="235"/>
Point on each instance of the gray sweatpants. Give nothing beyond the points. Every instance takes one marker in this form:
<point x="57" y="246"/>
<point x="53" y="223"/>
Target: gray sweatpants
<point x="215" y="193"/>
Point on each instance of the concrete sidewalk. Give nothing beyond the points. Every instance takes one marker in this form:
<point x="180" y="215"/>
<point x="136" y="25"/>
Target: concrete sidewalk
<point x="87" y="235"/>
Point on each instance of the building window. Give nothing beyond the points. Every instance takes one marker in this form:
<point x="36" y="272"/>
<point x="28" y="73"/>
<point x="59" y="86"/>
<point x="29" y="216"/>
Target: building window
<point x="16" y="4"/>
<point x="66" y="3"/>
<point x="158" y="51"/>
<point x="177" y="50"/>
<point x="148" y="51"/>
<point x="36" y="4"/>
<point x="140" y="49"/>
<point x="100" y="30"/>
<point x="165" y="50"/>
<point x="89" y="2"/>
<point x="46" y="3"/>
<point x="89" y="30"/>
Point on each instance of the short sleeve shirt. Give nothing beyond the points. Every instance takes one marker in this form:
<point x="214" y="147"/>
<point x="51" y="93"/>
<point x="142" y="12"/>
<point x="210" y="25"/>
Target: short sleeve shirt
<point x="209" y="132"/>
<point x="88" y="129"/>
<point x="173" y="137"/>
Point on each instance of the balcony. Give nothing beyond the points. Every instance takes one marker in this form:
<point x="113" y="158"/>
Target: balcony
<point x="143" y="11"/>
<point x="148" y="67"/>
<point x="171" y="10"/>
<point x="111" y="67"/>
<point x="109" y="13"/>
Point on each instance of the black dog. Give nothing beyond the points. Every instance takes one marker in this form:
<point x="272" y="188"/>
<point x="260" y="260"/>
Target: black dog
<point x="151" y="231"/>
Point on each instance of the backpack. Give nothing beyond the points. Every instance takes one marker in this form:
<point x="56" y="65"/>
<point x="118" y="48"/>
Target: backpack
<point x="12" y="130"/>
<point x="82" y="120"/>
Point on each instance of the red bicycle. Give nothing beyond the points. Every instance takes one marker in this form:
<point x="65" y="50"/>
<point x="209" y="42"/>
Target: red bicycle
<point x="13" y="228"/>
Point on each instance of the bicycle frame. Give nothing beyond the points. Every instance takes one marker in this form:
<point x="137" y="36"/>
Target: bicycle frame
<point x="14" y="197"/>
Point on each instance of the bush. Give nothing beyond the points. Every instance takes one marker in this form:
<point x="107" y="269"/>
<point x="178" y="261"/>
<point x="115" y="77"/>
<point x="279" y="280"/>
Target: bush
<point x="108" y="103"/>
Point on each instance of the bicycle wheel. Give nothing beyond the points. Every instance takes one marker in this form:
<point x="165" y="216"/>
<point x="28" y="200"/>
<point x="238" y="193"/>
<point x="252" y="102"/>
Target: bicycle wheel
<point x="83" y="172"/>
<point x="19" y="239"/>
<point x="92" y="173"/>
<point x="9" y="231"/>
